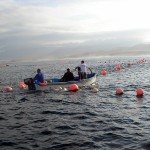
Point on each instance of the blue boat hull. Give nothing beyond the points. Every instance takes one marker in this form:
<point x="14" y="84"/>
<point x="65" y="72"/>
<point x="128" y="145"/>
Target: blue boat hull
<point x="55" y="83"/>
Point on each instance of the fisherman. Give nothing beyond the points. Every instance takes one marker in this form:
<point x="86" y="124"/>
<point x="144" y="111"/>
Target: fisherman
<point x="39" y="77"/>
<point x="68" y="76"/>
<point x="82" y="70"/>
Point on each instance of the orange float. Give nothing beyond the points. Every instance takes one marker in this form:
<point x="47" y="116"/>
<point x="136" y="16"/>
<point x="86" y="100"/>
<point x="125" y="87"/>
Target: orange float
<point x="22" y="85"/>
<point x="104" y="72"/>
<point x="119" y="92"/>
<point x="43" y="83"/>
<point x="118" y="67"/>
<point x="8" y="89"/>
<point x="139" y="92"/>
<point x="73" y="87"/>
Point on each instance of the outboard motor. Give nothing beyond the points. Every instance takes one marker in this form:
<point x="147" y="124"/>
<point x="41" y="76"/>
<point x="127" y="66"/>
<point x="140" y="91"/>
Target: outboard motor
<point x="30" y="83"/>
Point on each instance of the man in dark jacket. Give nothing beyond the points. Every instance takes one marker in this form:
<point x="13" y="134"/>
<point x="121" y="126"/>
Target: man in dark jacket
<point x="68" y="76"/>
<point x="39" y="77"/>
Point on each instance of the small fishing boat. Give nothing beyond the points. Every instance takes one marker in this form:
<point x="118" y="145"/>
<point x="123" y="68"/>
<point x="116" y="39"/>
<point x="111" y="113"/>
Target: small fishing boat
<point x="56" y="83"/>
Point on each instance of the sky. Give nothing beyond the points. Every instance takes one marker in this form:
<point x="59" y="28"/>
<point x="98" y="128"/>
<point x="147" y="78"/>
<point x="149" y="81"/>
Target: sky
<point x="56" y="29"/>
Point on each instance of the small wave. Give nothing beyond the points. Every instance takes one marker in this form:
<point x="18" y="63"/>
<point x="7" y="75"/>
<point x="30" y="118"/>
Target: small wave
<point x="56" y="100"/>
<point x="75" y="146"/>
<point x="114" y="145"/>
<point x="23" y="99"/>
<point x="20" y="113"/>
<point x="65" y="127"/>
<point x="57" y="112"/>
<point x="7" y="143"/>
<point x="113" y="129"/>
<point x="91" y="113"/>
<point x="146" y="146"/>
<point x="16" y="126"/>
<point x="2" y="118"/>
<point x="40" y="120"/>
<point x="112" y="136"/>
<point x="81" y="117"/>
<point x="46" y="132"/>
<point x="23" y="148"/>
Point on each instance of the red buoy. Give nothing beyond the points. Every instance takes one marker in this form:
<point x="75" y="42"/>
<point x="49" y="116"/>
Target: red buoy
<point x="73" y="87"/>
<point x="104" y="72"/>
<point x="8" y="89"/>
<point x="43" y="83"/>
<point x="22" y="85"/>
<point x="119" y="92"/>
<point x="139" y="92"/>
<point x="118" y="67"/>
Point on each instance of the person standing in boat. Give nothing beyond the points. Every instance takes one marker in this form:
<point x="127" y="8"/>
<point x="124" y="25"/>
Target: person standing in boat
<point x="68" y="76"/>
<point x="39" y="77"/>
<point x="82" y="70"/>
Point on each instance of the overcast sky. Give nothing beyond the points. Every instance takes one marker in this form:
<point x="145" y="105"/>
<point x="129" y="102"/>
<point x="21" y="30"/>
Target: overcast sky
<point x="37" y="29"/>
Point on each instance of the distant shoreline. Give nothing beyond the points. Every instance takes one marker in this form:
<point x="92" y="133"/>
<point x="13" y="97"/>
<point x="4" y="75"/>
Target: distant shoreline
<point x="67" y="58"/>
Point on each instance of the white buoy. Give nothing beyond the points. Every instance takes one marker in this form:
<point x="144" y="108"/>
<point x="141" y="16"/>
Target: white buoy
<point x="95" y="90"/>
<point x="65" y="89"/>
<point x="58" y="88"/>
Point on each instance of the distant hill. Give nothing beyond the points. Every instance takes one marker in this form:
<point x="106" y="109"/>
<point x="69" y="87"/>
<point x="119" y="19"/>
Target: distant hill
<point x="140" y="49"/>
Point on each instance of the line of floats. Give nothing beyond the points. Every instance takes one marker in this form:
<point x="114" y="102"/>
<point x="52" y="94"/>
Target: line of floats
<point x="74" y="87"/>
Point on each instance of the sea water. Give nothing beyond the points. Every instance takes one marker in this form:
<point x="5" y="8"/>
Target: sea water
<point x="82" y="120"/>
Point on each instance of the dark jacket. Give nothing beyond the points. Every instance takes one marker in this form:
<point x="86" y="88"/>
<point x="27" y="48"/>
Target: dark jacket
<point x="68" y="76"/>
<point x="39" y="77"/>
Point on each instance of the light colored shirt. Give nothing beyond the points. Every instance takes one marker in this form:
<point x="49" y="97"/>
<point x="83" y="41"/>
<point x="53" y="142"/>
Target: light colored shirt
<point x="83" y="67"/>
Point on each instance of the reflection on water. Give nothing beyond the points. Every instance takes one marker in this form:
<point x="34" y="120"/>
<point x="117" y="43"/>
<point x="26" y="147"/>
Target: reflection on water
<point x="76" y="120"/>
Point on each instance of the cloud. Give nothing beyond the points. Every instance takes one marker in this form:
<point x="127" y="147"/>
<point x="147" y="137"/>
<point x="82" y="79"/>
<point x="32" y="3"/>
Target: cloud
<point x="75" y="16"/>
<point x="64" y="28"/>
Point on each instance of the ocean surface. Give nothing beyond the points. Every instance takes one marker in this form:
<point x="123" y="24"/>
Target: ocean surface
<point x="82" y="120"/>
